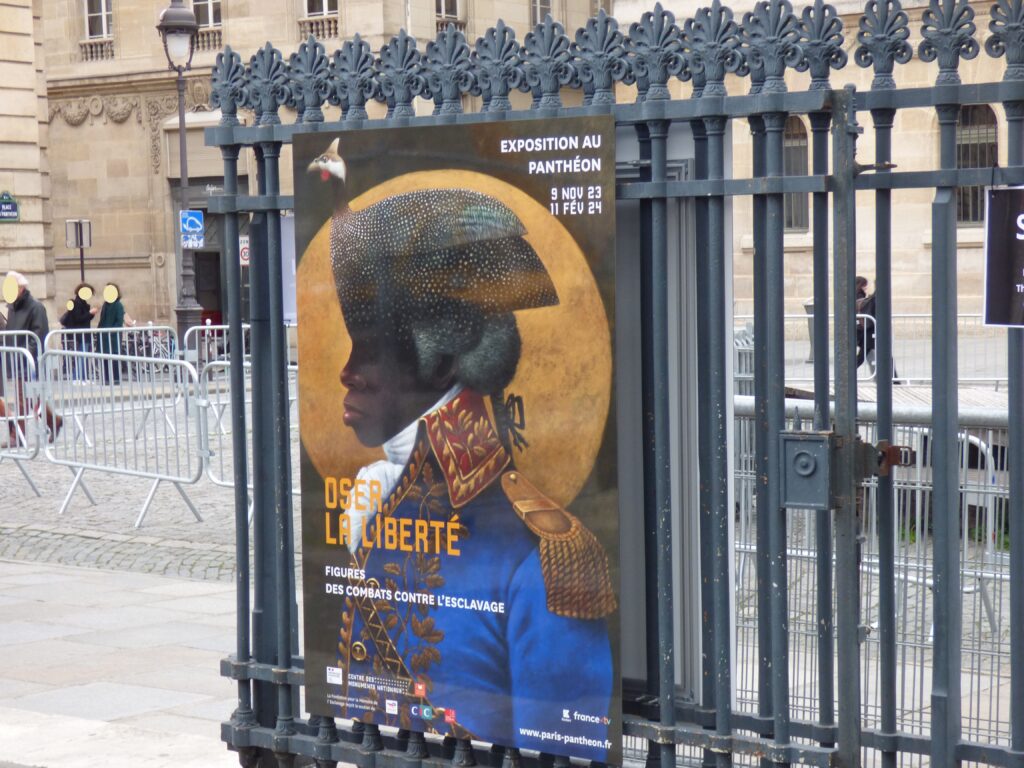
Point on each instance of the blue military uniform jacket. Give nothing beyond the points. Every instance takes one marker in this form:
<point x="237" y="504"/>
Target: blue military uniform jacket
<point x="507" y="640"/>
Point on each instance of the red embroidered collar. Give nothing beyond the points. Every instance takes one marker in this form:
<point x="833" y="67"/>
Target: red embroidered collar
<point x="467" y="447"/>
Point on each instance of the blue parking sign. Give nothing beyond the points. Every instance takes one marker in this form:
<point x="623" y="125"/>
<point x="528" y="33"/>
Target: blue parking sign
<point x="192" y="228"/>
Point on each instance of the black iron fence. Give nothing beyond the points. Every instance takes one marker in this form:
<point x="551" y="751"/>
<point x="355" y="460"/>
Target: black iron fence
<point x="679" y="719"/>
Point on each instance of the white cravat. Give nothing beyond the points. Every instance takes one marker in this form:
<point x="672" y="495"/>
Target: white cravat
<point x="387" y="471"/>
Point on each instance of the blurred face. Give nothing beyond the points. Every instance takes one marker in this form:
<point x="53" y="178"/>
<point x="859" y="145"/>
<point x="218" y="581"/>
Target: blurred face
<point x="384" y="392"/>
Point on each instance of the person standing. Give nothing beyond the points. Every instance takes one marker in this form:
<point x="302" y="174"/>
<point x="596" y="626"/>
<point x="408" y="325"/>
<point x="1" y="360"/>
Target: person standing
<point x="79" y="318"/>
<point x="29" y="315"/>
<point x="112" y="319"/>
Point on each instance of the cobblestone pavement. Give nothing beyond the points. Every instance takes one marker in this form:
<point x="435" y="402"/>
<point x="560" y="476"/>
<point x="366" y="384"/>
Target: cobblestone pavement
<point x="170" y="542"/>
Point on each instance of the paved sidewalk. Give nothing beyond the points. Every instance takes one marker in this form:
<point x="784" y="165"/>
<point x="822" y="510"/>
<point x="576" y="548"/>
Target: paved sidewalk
<point x="113" y="669"/>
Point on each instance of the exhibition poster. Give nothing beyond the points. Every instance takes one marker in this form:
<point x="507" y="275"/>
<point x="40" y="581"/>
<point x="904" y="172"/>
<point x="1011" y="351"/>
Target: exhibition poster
<point x="455" y="292"/>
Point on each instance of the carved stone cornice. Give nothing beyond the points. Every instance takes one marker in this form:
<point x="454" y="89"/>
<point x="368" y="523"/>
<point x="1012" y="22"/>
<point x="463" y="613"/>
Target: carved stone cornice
<point x="105" y="108"/>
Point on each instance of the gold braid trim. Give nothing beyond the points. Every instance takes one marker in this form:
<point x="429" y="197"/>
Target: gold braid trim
<point x="574" y="564"/>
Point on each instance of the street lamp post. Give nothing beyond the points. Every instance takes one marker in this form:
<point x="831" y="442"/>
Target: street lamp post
<point x="177" y="28"/>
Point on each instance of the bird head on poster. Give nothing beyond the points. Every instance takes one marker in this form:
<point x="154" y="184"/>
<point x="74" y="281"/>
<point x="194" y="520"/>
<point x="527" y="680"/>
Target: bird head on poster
<point x="331" y="170"/>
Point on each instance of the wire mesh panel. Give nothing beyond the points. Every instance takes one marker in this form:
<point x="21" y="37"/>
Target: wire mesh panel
<point x="984" y="570"/>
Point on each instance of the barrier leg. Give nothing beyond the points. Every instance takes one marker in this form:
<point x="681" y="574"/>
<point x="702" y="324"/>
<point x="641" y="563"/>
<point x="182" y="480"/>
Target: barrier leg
<point x="142" y="424"/>
<point x="71" y="491"/>
<point x="145" y="505"/>
<point x="171" y="425"/>
<point x="189" y="502"/>
<point x="80" y="430"/>
<point x="28" y="478"/>
<point x="87" y="492"/>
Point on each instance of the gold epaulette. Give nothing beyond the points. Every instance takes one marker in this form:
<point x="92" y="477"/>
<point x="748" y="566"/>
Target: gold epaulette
<point x="573" y="562"/>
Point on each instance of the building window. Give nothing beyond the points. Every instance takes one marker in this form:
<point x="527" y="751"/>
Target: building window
<point x="600" y="5"/>
<point x="99" y="19"/>
<point x="538" y="10"/>
<point x="976" y="147"/>
<point x="321" y="7"/>
<point x="794" y="163"/>
<point x="447" y="9"/>
<point x="207" y="13"/>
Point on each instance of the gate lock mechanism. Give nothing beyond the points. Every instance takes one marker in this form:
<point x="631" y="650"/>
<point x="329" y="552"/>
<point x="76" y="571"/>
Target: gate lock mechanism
<point x="807" y="466"/>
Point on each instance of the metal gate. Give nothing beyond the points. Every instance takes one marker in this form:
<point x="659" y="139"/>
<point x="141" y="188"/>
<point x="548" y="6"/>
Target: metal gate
<point x="679" y="692"/>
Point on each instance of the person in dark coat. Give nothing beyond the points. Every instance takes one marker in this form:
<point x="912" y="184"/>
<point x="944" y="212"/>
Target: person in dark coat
<point x="79" y="318"/>
<point x="27" y="314"/>
<point x="112" y="319"/>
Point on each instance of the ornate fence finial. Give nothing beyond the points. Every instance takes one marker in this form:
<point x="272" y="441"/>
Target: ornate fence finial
<point x="401" y="76"/>
<point x="774" y="41"/>
<point x="948" y="31"/>
<point x="352" y="77"/>
<point x="547" y="61"/>
<point x="268" y="86"/>
<point x="821" y="36"/>
<point x="655" y="46"/>
<point x="602" y="57"/>
<point x="1007" y="28"/>
<point x="714" y="47"/>
<point x="449" y="71"/>
<point x="227" y="87"/>
<point x="499" y="68"/>
<point x="882" y="41"/>
<point x="308" y="83"/>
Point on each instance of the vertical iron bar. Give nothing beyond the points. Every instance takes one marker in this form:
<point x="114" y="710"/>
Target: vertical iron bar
<point x="662" y="446"/>
<point x="763" y="558"/>
<point x="1015" y="469"/>
<point x="647" y="405"/>
<point x="264" y="612"/>
<point x="884" y="512"/>
<point x="701" y="230"/>
<point x="944" y="452"/>
<point x="820" y="122"/>
<point x="844" y="207"/>
<point x="715" y="426"/>
<point x="281" y="453"/>
<point x="775" y="408"/>
<point x="244" y="713"/>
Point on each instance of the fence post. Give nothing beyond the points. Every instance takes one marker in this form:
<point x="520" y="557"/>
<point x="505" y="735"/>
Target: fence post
<point x="945" y="458"/>
<point x="844" y="136"/>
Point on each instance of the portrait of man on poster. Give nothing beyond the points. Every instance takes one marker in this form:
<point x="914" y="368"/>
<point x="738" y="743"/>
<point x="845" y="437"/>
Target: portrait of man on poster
<point x="429" y="284"/>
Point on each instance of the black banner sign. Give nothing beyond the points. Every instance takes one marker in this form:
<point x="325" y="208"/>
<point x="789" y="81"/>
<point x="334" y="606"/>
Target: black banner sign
<point x="1004" y="257"/>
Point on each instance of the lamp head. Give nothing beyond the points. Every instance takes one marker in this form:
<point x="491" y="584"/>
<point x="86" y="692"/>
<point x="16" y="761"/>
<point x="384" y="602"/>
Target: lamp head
<point x="177" y="27"/>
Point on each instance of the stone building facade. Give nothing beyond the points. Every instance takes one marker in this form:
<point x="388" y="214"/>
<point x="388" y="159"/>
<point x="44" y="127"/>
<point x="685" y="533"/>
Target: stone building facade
<point x="96" y="103"/>
<point x="24" y="138"/>
<point x="90" y="131"/>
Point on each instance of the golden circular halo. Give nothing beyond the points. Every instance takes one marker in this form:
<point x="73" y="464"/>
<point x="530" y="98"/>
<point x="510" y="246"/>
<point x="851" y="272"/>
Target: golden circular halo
<point x="70" y="305"/>
<point x="110" y="294"/>
<point x="10" y="289"/>
<point x="565" y="370"/>
<point x="85" y="293"/>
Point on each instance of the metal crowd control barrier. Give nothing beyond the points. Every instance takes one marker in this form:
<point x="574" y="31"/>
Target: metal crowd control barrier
<point x="215" y="393"/>
<point x="206" y="344"/>
<point x="140" y="425"/>
<point x="19" y="427"/>
<point x="154" y="341"/>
